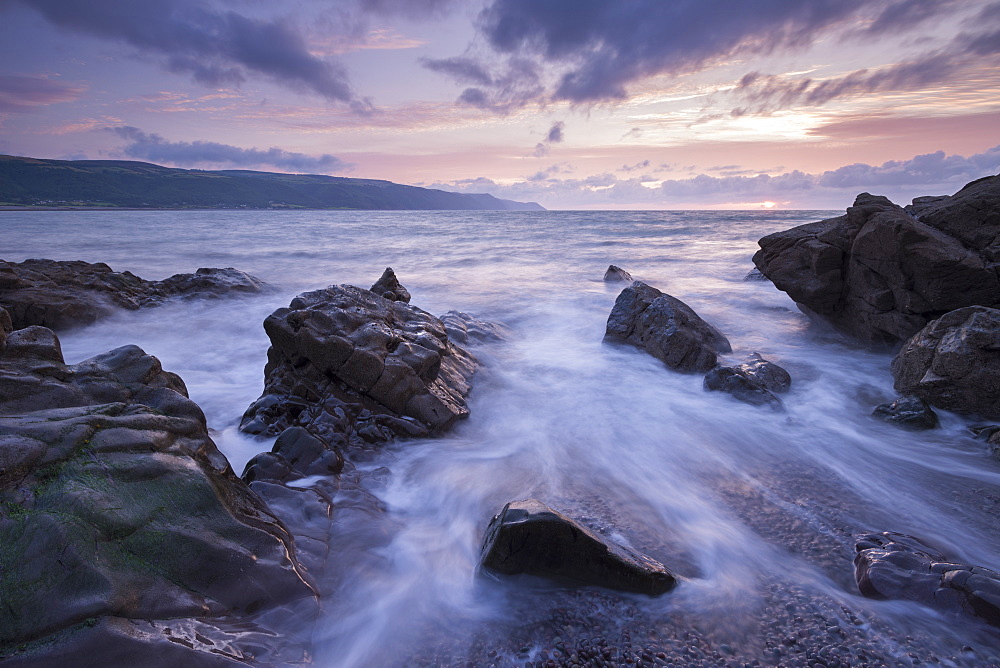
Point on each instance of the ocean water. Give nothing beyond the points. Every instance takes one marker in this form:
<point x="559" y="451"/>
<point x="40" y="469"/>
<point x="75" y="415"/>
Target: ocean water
<point x="756" y="509"/>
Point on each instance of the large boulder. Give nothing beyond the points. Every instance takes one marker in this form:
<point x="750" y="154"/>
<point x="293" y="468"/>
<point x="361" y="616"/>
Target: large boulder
<point x="666" y="328"/>
<point x="907" y="412"/>
<point x="529" y="537"/>
<point x="954" y="362"/>
<point x="363" y="365"/>
<point x="62" y="294"/>
<point x="880" y="273"/>
<point x="893" y="565"/>
<point x="115" y="502"/>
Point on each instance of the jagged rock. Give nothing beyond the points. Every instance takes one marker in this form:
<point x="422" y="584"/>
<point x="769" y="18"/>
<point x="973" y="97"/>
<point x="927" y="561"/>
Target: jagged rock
<point x="388" y="286"/>
<point x="893" y="565"/>
<point x="614" y="274"/>
<point x="954" y="362"/>
<point x="880" y="274"/>
<point x="62" y="294"/>
<point x="114" y="501"/>
<point x="666" y="328"/>
<point x="349" y="364"/>
<point x="755" y="275"/>
<point x="5" y="328"/>
<point x="907" y="412"/>
<point x="529" y="537"/>
<point x="753" y="382"/>
<point x="464" y="329"/>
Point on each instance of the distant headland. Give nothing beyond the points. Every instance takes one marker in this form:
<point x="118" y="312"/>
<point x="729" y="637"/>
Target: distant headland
<point x="114" y="184"/>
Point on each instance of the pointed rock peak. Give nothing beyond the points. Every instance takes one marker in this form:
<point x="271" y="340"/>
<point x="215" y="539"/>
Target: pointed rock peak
<point x="389" y="287"/>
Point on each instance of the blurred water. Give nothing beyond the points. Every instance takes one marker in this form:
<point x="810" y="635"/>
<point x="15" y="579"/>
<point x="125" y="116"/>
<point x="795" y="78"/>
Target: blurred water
<point x="729" y="495"/>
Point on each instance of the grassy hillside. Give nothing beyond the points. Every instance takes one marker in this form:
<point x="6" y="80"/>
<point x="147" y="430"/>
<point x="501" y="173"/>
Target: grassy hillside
<point x="124" y="183"/>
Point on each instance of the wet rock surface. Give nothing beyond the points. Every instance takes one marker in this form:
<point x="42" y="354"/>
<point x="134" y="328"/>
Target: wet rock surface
<point x="388" y="286"/>
<point x="63" y="294"/>
<point x="350" y="365"/>
<point x="115" y="502"/>
<point x="881" y="274"/>
<point x="616" y="274"/>
<point x="894" y="565"/>
<point x="954" y="362"/>
<point x="531" y="538"/>
<point x="666" y="328"/>
<point x="907" y="412"/>
<point x="754" y="382"/>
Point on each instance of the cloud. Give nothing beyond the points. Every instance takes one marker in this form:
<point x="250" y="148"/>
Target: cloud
<point x="215" y="47"/>
<point x="156" y="149"/>
<point x="901" y="180"/>
<point x="20" y="93"/>
<point x="553" y="136"/>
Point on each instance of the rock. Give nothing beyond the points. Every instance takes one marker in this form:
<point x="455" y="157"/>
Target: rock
<point x="907" y="412"/>
<point x="755" y="275"/>
<point x="753" y="382"/>
<point x="465" y="329"/>
<point x="5" y="328"/>
<point x="388" y="286"/>
<point x="115" y="502"/>
<point x="351" y="365"/>
<point x="62" y="294"/>
<point x="617" y="274"/>
<point x="666" y="328"/>
<point x="994" y="442"/>
<point x="529" y="537"/>
<point x="893" y="565"/>
<point x="880" y="274"/>
<point x="954" y="362"/>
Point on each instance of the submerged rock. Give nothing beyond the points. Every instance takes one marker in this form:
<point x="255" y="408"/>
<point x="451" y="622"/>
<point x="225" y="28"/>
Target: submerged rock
<point x="115" y="502"/>
<point x="907" y="412"/>
<point x="62" y="294"/>
<point x="755" y="275"/>
<point x="954" y="362"/>
<point x="529" y="537"/>
<point x="753" y="382"/>
<point x="666" y="328"/>
<point x="388" y="286"/>
<point x="614" y="274"/>
<point x="894" y="565"/>
<point x="881" y="274"/>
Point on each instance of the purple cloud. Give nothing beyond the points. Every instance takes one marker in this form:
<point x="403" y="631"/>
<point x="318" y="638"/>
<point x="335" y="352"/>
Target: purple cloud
<point x="19" y="93"/>
<point x="154" y="148"/>
<point x="213" y="46"/>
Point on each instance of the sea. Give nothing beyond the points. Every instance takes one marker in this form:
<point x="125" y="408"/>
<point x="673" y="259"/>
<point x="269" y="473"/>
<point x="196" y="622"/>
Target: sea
<point x="758" y="510"/>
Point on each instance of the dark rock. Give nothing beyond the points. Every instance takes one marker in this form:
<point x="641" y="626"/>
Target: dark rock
<point x="753" y="382"/>
<point x="755" y="275"/>
<point x="529" y="537"/>
<point x="61" y="294"/>
<point x="880" y="274"/>
<point x="353" y="366"/>
<point x="5" y="328"/>
<point x="893" y="565"/>
<point x="388" y="286"/>
<point x="954" y="362"/>
<point x="666" y="328"/>
<point x="907" y="412"/>
<point x="617" y="274"/>
<point x="465" y="329"/>
<point x="114" y="501"/>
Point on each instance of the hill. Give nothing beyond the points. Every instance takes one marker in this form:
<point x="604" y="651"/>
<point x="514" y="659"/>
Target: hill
<point x="125" y="183"/>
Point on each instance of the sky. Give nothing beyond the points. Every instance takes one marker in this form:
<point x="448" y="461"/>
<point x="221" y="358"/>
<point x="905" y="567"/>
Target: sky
<point x="575" y="104"/>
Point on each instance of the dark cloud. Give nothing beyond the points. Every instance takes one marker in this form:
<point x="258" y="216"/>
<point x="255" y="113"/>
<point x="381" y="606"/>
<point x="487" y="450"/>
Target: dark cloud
<point x="497" y="87"/>
<point x="555" y="134"/>
<point x="154" y="148"/>
<point x="19" y="93"/>
<point x="637" y="166"/>
<point x="214" y="46"/>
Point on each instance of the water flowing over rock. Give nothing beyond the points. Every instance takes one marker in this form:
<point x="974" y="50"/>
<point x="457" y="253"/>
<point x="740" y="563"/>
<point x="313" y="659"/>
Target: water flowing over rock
<point x="880" y="273"/>
<point x="907" y="412"/>
<point x="63" y="294"/>
<point x="954" y="362"/>
<point x="753" y="382"/>
<point x="615" y="273"/>
<point x="349" y="364"/>
<point x="529" y="537"/>
<point x="666" y="328"/>
<point x="117" y="504"/>
<point x="388" y="286"/>
<point x="894" y="565"/>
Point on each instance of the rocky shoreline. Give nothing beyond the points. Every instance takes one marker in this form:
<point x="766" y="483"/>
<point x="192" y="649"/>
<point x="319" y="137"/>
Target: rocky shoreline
<point x="118" y="505"/>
